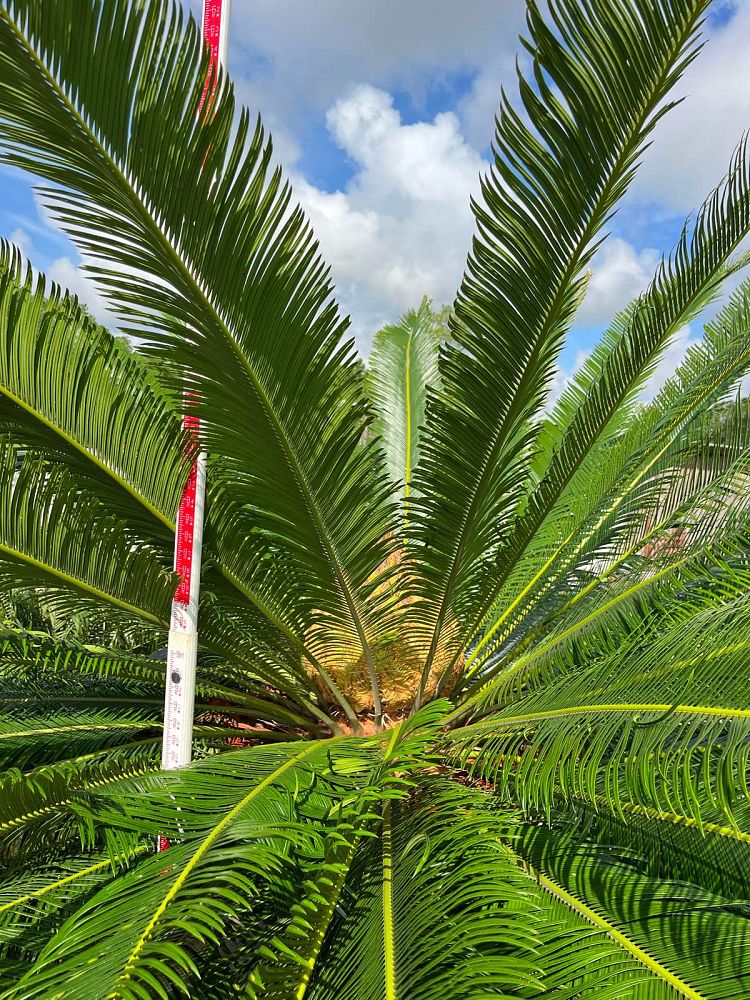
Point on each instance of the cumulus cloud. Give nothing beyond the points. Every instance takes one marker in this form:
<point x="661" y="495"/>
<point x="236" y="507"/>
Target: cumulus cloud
<point x="620" y="273"/>
<point x="402" y="226"/>
<point x="479" y="105"/>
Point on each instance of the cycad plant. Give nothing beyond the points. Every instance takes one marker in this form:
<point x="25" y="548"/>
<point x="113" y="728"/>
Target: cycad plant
<point x="472" y="712"/>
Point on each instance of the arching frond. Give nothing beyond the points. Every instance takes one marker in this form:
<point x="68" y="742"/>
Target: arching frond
<point x="71" y="393"/>
<point x="600" y="734"/>
<point x="34" y="902"/>
<point x="38" y="673"/>
<point x="71" y="387"/>
<point x="196" y="240"/>
<point x="663" y="474"/>
<point x="707" y="852"/>
<point x="35" y="814"/>
<point x="466" y="918"/>
<point x="242" y="820"/>
<point x="591" y="407"/>
<point x="232" y="840"/>
<point x="43" y="517"/>
<point x="292" y="961"/>
<point x="576" y="825"/>
<point x="548" y="195"/>
<point x="421" y="907"/>
<point x="403" y="365"/>
<point x="695" y="941"/>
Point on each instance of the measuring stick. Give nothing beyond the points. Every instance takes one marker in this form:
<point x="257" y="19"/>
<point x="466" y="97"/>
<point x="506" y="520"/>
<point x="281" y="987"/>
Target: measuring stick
<point x="182" y="648"/>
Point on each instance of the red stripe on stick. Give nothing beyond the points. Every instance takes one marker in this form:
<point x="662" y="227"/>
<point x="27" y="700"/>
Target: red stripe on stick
<point x="212" y="35"/>
<point x="186" y="521"/>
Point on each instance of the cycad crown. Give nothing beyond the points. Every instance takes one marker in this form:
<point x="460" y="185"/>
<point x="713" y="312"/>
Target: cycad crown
<point x="472" y="712"/>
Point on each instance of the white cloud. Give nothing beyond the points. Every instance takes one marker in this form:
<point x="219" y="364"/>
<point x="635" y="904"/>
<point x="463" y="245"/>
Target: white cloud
<point x="44" y="212"/>
<point x="403" y="226"/>
<point x="69" y="276"/>
<point x="299" y="55"/>
<point x="481" y="103"/>
<point x="563" y="375"/>
<point x="620" y="272"/>
<point x="694" y="143"/>
<point x="23" y="241"/>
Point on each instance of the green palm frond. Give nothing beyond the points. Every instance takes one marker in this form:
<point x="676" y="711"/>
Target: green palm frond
<point x="70" y="387"/>
<point x="290" y="958"/>
<point x="229" y="285"/>
<point x="37" y="672"/>
<point x="78" y="719"/>
<point x="242" y="820"/>
<point x="422" y="906"/>
<point x="44" y="515"/>
<point x="708" y="852"/>
<point x="544" y="203"/>
<point x="467" y="919"/>
<point x="654" y="477"/>
<point x="597" y="399"/>
<point x="693" y="558"/>
<point x="296" y="956"/>
<point x="26" y="738"/>
<point x="231" y="842"/>
<point x="700" y="573"/>
<point x="599" y="734"/>
<point x="403" y="365"/>
<point x="698" y="939"/>
<point x="33" y="903"/>
<point x="35" y="814"/>
<point x="69" y="391"/>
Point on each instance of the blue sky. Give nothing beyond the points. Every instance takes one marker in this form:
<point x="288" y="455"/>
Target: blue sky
<point x="382" y="113"/>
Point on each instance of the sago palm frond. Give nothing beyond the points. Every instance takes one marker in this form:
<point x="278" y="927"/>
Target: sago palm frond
<point x="264" y="320"/>
<point x="683" y="285"/>
<point x="403" y="366"/>
<point x="543" y="207"/>
<point x="72" y="389"/>
<point x="675" y="924"/>
<point x="241" y="821"/>
<point x="653" y="469"/>
<point x="44" y="515"/>
<point x="71" y="392"/>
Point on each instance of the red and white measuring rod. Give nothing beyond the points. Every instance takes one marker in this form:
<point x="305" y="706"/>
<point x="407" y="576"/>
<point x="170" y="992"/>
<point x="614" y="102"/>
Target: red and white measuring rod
<point x="182" y="649"/>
